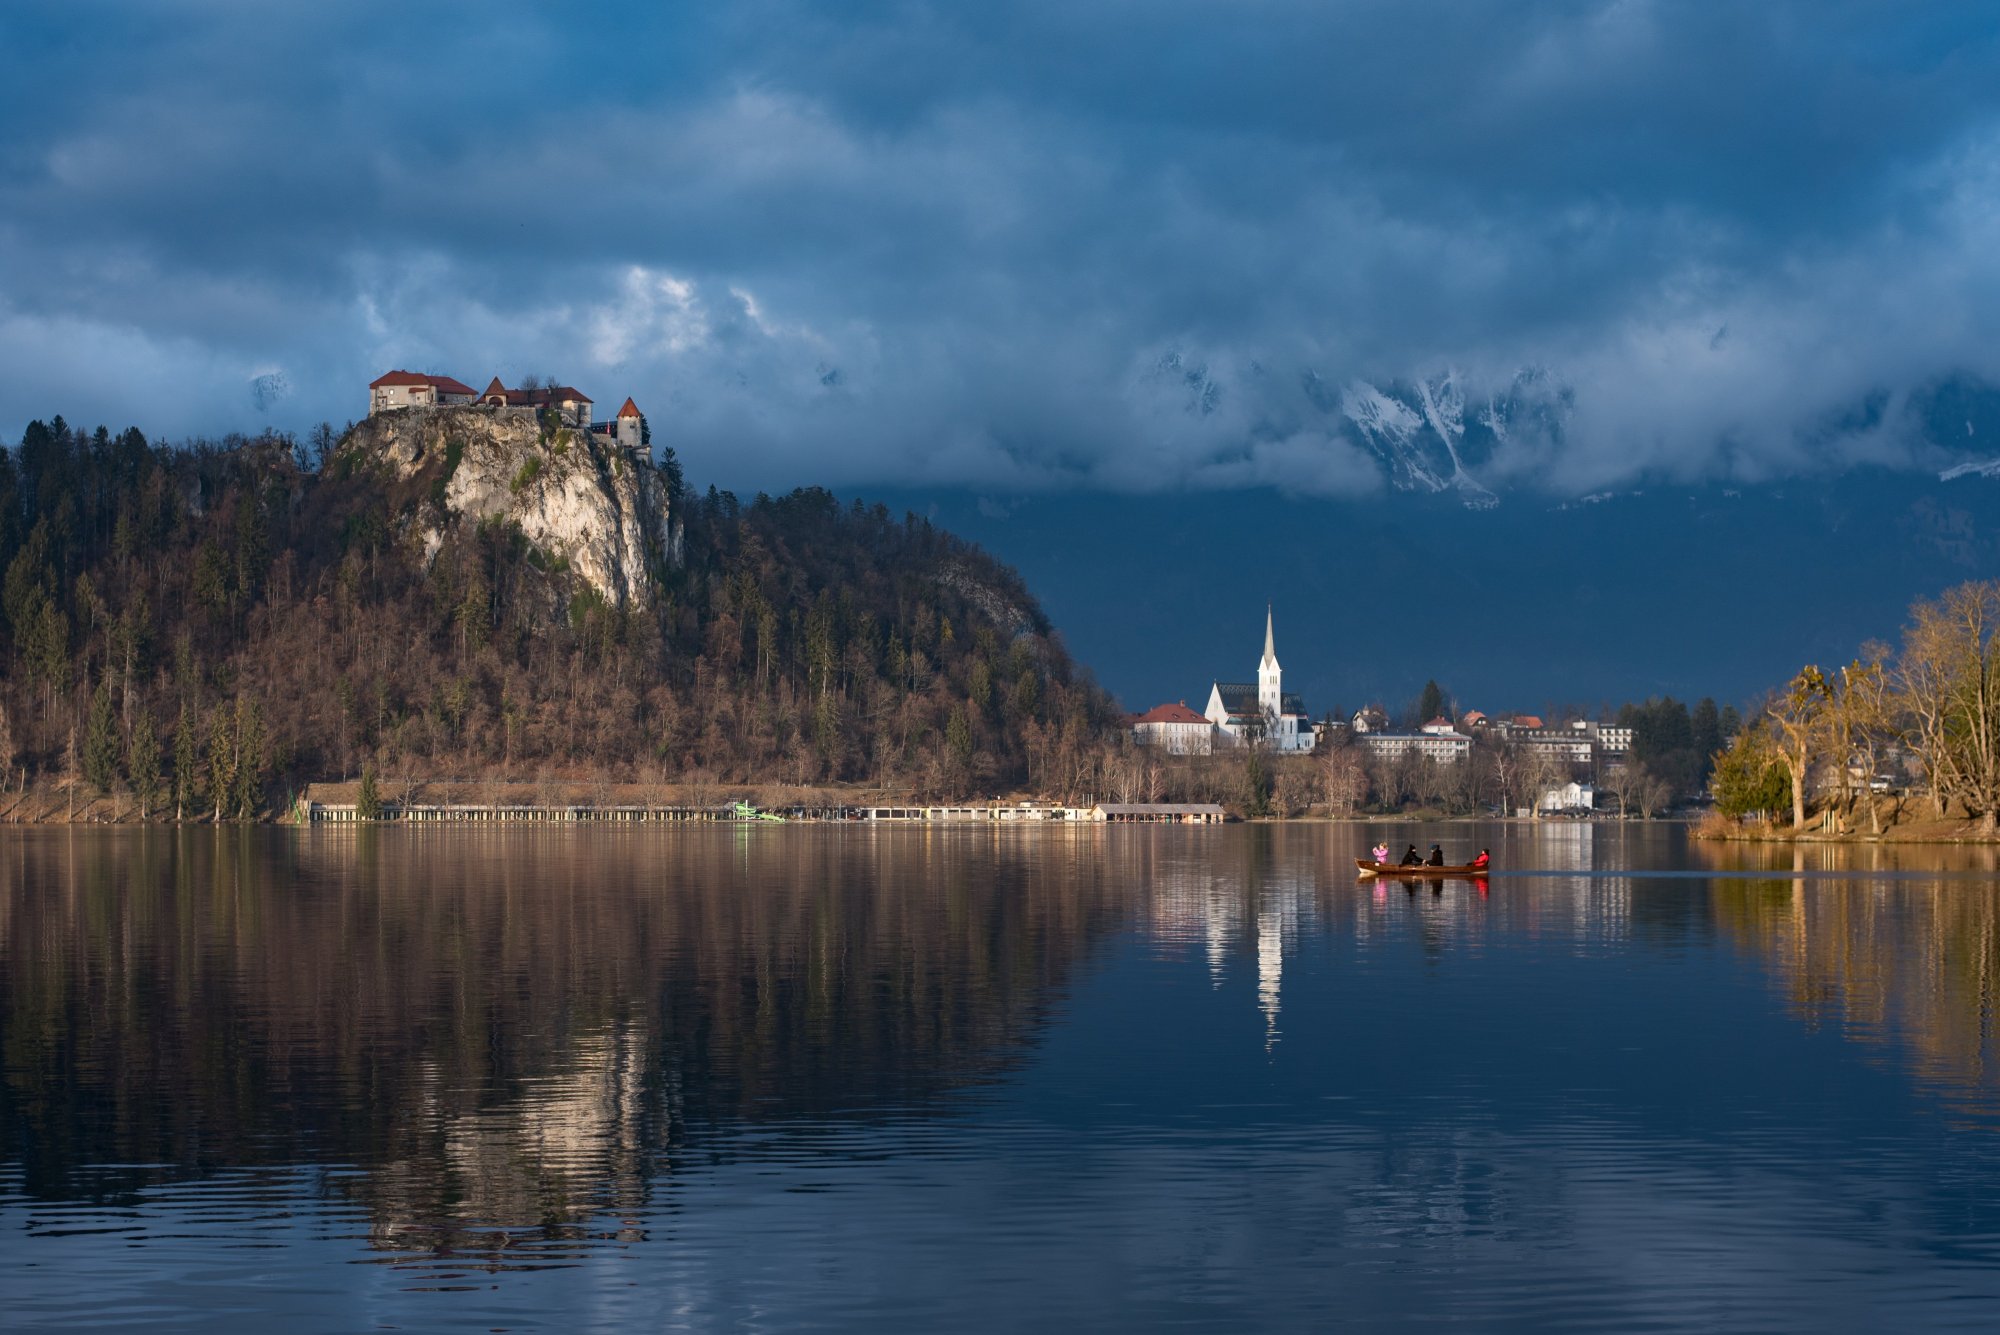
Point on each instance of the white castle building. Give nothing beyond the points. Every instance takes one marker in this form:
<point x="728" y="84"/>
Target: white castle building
<point x="1262" y="712"/>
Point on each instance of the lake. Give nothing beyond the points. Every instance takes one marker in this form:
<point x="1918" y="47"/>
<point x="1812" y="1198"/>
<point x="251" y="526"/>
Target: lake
<point x="834" y="1078"/>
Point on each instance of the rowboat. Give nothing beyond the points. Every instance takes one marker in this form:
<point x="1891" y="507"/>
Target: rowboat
<point x="1369" y="867"/>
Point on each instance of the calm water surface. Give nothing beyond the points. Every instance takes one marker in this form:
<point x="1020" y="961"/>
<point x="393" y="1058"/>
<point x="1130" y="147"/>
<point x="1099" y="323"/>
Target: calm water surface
<point x="784" y="1078"/>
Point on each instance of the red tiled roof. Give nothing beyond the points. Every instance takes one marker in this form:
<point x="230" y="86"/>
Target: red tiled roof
<point x="532" y="398"/>
<point x="1527" y="721"/>
<point x="410" y="379"/>
<point x="1439" y="722"/>
<point x="630" y="409"/>
<point x="1170" y="714"/>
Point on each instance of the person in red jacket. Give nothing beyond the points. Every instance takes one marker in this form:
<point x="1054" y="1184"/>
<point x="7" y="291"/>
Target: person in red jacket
<point x="1480" y="863"/>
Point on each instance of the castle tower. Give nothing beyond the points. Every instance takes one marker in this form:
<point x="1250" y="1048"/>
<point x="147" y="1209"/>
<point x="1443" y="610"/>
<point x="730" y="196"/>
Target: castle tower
<point x="631" y="427"/>
<point x="1270" y="696"/>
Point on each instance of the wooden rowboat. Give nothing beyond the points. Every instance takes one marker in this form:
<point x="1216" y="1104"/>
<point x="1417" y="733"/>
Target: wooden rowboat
<point x="1368" y="867"/>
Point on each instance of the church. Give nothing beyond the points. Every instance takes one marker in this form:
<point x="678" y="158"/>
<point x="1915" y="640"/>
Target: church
<point x="1263" y="712"/>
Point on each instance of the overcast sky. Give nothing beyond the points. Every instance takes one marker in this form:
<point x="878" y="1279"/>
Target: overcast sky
<point x="1012" y="246"/>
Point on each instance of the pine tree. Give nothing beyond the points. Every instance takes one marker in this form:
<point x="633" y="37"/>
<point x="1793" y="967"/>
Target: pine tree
<point x="250" y="758"/>
<point x="187" y="764"/>
<point x="369" y="805"/>
<point x="221" y="759"/>
<point x="142" y="762"/>
<point x="100" y="740"/>
<point x="1430" y="704"/>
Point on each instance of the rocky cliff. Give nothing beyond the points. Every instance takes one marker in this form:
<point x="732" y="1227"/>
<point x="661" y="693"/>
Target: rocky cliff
<point x="579" y="497"/>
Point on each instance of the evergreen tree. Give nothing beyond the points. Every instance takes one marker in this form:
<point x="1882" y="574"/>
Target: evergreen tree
<point x="250" y="757"/>
<point x="1256" y="784"/>
<point x="369" y="805"/>
<point x="1750" y="776"/>
<point x="142" y="762"/>
<point x="221" y="759"/>
<point x="1430" y="704"/>
<point x="100" y="740"/>
<point x="187" y="764"/>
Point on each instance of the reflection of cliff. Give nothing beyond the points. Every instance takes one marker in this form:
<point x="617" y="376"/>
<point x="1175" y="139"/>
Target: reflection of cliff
<point x="506" y="1026"/>
<point x="1917" y="962"/>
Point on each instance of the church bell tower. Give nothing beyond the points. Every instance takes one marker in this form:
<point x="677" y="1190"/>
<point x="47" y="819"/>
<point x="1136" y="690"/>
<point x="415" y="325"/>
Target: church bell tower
<point x="1270" y="696"/>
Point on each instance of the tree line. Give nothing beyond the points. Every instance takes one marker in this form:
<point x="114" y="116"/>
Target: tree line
<point x="1924" y="711"/>
<point x="201" y="628"/>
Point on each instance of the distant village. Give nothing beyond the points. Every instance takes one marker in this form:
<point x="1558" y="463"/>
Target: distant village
<point x="1568" y="759"/>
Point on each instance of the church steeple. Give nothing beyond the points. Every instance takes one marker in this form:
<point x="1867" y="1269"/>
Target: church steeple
<point x="1270" y="689"/>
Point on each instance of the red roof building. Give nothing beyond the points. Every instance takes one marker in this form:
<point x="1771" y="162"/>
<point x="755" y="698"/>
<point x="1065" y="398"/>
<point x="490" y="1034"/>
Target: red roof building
<point x="1175" y="713"/>
<point x="1174" y="728"/>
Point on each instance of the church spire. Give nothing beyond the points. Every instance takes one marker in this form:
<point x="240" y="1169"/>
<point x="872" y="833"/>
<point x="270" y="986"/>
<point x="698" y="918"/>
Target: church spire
<point x="1270" y="642"/>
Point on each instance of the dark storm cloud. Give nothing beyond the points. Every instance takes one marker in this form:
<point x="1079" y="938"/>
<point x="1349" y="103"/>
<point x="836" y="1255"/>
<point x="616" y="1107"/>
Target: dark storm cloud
<point x="1119" y="245"/>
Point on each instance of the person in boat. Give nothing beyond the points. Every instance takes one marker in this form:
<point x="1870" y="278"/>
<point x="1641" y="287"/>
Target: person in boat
<point x="1413" y="858"/>
<point x="1437" y="855"/>
<point x="1483" y="861"/>
<point x="1380" y="853"/>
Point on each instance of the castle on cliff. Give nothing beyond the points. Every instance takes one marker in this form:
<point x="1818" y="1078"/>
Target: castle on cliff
<point x="400" y="390"/>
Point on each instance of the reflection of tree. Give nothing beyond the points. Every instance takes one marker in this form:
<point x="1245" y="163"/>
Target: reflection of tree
<point x="1919" y="964"/>
<point x="516" y="1028"/>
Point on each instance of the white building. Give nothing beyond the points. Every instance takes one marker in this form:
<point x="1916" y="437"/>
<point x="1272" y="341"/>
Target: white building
<point x="1446" y="748"/>
<point x="1570" y="797"/>
<point x="1263" y="712"/>
<point x="1175" y="729"/>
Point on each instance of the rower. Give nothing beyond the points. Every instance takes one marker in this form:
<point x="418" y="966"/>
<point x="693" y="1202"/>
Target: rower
<point x="1437" y="855"/>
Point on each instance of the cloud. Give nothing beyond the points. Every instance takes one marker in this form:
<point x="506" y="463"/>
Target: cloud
<point x="1116" y="246"/>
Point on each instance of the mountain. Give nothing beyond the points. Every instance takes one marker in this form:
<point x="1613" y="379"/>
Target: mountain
<point x="1435" y="435"/>
<point x="1691" y="591"/>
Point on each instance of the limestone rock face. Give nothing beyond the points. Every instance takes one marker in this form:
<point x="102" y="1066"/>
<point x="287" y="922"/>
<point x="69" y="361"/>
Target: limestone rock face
<point x="578" y="496"/>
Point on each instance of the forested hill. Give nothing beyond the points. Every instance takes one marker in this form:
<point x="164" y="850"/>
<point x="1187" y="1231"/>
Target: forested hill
<point x="209" y="625"/>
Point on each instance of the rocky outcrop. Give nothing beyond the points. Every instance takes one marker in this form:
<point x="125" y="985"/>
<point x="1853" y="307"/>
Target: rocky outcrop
<point x="579" y="497"/>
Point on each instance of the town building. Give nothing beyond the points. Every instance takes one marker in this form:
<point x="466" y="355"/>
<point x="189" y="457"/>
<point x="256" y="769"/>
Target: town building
<point x="1262" y="713"/>
<point x="1569" y="797"/>
<point x="1446" y="748"/>
<point x="1175" y="729"/>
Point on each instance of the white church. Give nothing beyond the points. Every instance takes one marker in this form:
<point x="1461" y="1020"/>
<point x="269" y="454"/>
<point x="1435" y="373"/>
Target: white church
<point x="1263" y="712"/>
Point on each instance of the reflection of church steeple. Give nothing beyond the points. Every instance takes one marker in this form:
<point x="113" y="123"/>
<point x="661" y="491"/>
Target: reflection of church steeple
<point x="1270" y="966"/>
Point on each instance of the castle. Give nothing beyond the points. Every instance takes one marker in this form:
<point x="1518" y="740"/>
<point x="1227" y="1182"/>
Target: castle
<point x="399" y="390"/>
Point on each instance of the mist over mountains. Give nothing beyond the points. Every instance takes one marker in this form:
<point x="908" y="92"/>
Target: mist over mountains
<point x="1533" y="433"/>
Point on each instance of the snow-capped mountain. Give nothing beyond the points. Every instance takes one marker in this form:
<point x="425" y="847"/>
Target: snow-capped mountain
<point x="1431" y="436"/>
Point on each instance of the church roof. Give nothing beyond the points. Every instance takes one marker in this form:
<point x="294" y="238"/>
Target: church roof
<point x="1237" y="697"/>
<point x="1240" y="698"/>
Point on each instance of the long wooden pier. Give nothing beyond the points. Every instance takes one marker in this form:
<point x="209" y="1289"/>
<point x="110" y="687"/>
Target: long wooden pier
<point x="348" y="813"/>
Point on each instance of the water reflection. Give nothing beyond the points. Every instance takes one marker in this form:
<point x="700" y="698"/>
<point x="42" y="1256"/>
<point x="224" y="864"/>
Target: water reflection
<point x="467" y="1052"/>
<point x="507" y="1031"/>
